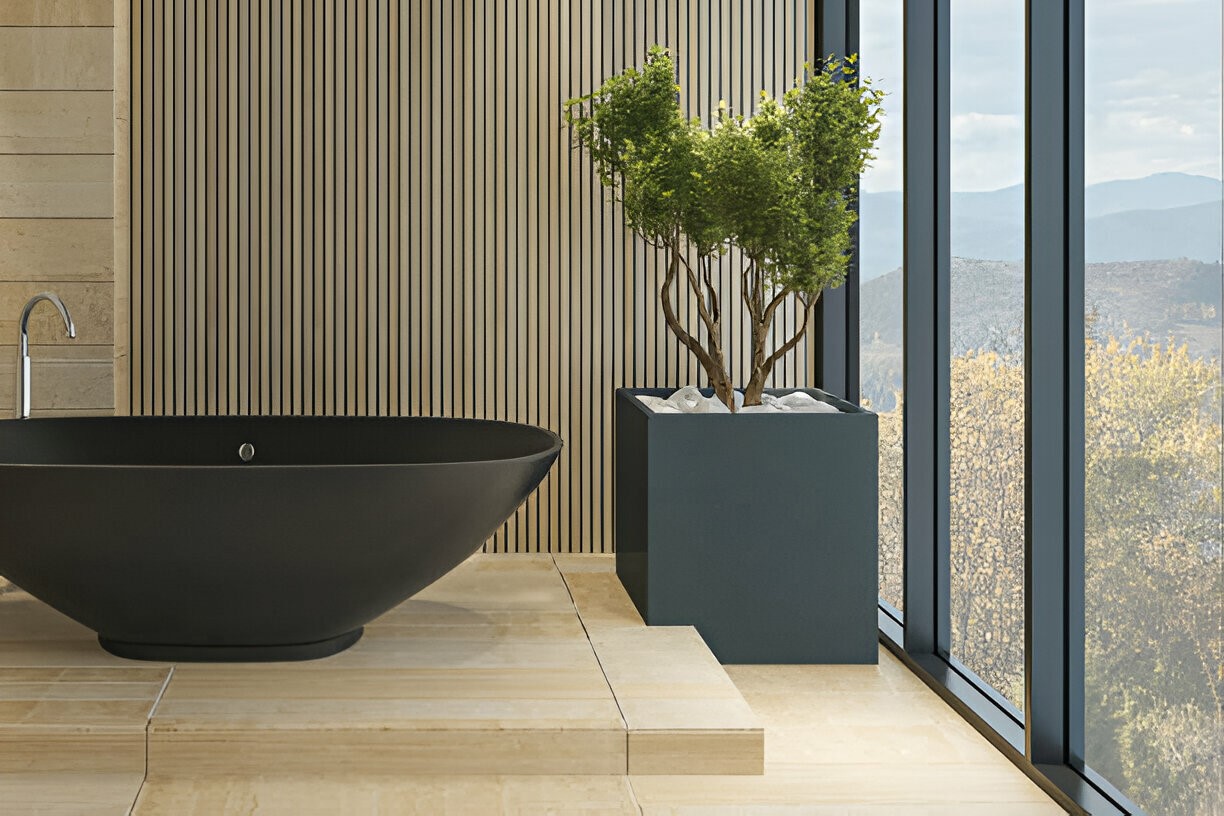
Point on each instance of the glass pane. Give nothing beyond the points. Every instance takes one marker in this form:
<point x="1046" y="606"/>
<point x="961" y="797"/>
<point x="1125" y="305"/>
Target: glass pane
<point x="987" y="319"/>
<point x="880" y="293"/>
<point x="1154" y="598"/>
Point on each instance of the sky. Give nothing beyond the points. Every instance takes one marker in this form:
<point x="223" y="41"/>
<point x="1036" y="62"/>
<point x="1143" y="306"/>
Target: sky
<point x="1152" y="89"/>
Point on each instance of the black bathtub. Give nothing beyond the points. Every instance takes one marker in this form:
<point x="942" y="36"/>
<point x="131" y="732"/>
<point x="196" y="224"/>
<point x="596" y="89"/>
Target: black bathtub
<point x="157" y="533"/>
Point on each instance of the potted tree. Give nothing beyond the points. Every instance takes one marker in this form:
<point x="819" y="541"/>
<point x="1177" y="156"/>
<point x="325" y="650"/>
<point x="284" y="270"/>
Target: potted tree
<point x="754" y="518"/>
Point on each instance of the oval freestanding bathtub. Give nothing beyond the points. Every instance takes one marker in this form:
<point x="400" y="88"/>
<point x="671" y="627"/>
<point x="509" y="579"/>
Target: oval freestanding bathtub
<point x="161" y="536"/>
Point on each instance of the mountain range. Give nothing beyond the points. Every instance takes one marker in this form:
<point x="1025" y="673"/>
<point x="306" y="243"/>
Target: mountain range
<point x="1158" y="217"/>
<point x="1173" y="298"/>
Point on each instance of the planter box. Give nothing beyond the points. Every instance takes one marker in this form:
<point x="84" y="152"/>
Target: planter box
<point x="757" y="529"/>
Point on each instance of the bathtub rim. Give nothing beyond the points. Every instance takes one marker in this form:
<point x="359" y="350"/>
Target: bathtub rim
<point x="553" y="450"/>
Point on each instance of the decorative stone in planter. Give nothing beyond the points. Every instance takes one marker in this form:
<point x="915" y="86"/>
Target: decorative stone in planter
<point x="758" y="529"/>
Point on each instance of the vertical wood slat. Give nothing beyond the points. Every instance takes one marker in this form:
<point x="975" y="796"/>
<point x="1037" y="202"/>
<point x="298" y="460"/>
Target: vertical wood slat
<point x="372" y="208"/>
<point x="124" y="227"/>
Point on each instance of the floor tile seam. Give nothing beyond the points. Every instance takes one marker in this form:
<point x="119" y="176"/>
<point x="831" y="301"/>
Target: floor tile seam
<point x="425" y="673"/>
<point x="739" y="804"/>
<point x="692" y="731"/>
<point x="144" y="777"/>
<point x="91" y="683"/>
<point x="972" y="767"/>
<point x="163" y="730"/>
<point x="77" y="729"/>
<point x="327" y="710"/>
<point x="598" y="661"/>
<point x="156" y="703"/>
<point x="788" y="768"/>
<point x="301" y="701"/>
<point x="633" y="798"/>
<point x="47" y="697"/>
<point x="819" y="790"/>
<point x="776" y="777"/>
<point x="373" y="727"/>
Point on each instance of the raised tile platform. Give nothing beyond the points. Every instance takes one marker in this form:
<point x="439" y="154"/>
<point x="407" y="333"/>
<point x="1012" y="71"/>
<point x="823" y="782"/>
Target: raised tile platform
<point x="510" y="665"/>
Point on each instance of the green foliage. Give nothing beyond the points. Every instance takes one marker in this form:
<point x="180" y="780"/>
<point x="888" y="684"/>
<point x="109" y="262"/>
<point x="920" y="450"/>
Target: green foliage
<point x="631" y="109"/>
<point x="640" y="145"/>
<point x="826" y="129"/>
<point x="777" y="185"/>
<point x="664" y="187"/>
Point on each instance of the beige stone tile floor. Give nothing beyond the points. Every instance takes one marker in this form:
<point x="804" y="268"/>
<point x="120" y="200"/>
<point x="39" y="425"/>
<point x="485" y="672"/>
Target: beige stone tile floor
<point x="846" y="740"/>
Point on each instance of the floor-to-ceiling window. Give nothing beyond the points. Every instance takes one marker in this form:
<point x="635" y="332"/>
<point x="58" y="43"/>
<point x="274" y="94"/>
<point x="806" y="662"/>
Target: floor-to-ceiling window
<point x="986" y="423"/>
<point x="881" y="328"/>
<point x="1083" y="475"/>
<point x="1153" y="568"/>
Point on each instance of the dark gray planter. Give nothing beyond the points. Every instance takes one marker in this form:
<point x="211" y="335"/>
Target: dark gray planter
<point x="757" y="529"/>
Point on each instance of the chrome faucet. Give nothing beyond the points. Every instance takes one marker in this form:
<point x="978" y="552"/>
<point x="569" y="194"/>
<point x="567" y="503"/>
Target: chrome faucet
<point x="22" y="395"/>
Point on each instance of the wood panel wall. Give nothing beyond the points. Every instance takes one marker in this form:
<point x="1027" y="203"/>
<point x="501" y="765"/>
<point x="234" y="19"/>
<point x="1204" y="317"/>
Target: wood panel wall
<point x="371" y="207"/>
<point x="56" y="199"/>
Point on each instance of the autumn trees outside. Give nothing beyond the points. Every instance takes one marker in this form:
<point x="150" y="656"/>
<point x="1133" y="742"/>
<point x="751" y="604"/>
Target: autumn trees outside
<point x="1154" y="571"/>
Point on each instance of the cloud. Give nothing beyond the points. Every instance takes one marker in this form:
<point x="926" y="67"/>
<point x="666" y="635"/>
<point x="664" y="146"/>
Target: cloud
<point x="1152" y="89"/>
<point x="1146" y="113"/>
<point x="968" y="127"/>
<point x="880" y="47"/>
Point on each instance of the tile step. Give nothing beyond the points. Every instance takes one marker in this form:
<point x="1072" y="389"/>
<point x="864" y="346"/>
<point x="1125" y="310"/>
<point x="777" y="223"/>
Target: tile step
<point x="509" y="665"/>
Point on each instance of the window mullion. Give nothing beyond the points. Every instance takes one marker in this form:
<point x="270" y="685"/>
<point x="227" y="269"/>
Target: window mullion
<point x="927" y="264"/>
<point x="1053" y="381"/>
<point x="833" y="344"/>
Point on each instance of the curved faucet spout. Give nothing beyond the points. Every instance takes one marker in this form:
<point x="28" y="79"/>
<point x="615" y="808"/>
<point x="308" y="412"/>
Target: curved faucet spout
<point x="55" y="301"/>
<point x="22" y="394"/>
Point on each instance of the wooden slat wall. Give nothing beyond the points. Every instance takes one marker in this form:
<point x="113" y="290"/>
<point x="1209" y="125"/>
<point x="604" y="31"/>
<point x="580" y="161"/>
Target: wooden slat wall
<point x="56" y="199"/>
<point x="372" y="207"/>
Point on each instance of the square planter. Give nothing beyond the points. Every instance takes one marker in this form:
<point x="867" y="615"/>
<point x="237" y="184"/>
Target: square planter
<point x="758" y="529"/>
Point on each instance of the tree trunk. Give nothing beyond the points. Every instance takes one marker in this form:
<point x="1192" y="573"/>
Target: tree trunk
<point x="725" y="393"/>
<point x="762" y="365"/>
<point x="754" y="390"/>
<point x="760" y="371"/>
<point x="711" y="360"/>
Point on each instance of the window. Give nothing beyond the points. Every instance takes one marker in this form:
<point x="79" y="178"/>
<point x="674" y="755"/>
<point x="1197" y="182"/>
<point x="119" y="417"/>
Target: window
<point x="1154" y="601"/>
<point x="986" y="426"/>
<point x="1128" y="561"/>
<point x="880" y="274"/>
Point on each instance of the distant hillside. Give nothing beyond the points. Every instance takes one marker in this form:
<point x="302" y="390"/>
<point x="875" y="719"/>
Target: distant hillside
<point x="1167" y="215"/>
<point x="1141" y="235"/>
<point x="1178" y="298"/>
<point x="1162" y="191"/>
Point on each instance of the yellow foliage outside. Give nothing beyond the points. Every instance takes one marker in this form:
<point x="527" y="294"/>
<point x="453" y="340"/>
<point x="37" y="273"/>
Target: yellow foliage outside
<point x="1154" y="575"/>
<point x="1154" y="571"/>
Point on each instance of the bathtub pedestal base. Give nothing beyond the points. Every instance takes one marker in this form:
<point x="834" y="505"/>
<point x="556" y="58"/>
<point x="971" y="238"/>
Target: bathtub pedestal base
<point x="230" y="654"/>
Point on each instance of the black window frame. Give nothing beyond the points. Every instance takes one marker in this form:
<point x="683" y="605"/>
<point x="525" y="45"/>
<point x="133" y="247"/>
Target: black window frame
<point x="1046" y="741"/>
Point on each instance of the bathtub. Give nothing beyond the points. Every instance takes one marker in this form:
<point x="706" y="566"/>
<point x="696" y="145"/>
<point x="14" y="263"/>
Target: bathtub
<point x="250" y="538"/>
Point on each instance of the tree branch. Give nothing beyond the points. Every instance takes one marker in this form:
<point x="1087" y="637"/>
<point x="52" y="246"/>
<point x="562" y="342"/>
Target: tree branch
<point x="710" y="322"/>
<point x="781" y="351"/>
<point x="778" y="300"/>
<point x="748" y="289"/>
<point x="669" y="315"/>
<point x="715" y="306"/>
